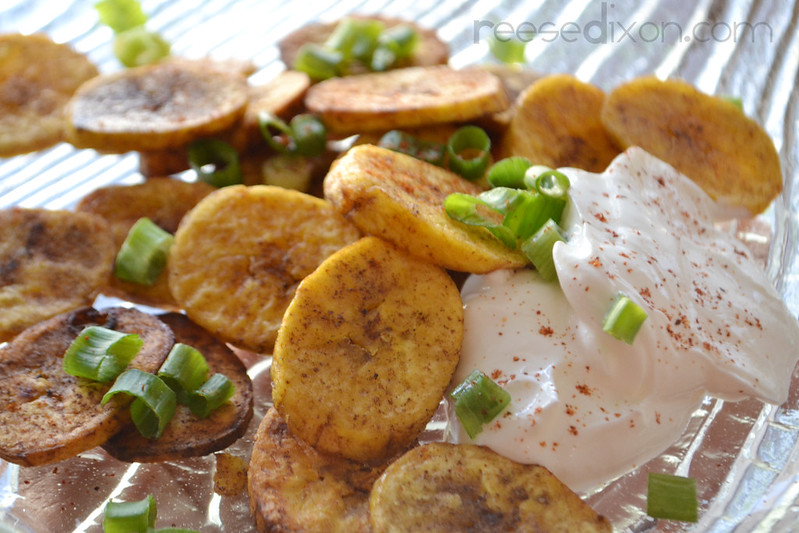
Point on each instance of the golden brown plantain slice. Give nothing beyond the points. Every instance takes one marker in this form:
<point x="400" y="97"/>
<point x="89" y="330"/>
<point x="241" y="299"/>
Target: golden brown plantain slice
<point x="239" y="254"/>
<point x="293" y="487"/>
<point x="186" y="435"/>
<point x="164" y="201"/>
<point x="430" y="50"/>
<point x="448" y="487"/>
<point x="37" y="79"/>
<point x="50" y="262"/>
<point x="557" y="124"/>
<point x="706" y="138"/>
<point x="405" y="98"/>
<point x="366" y="349"/>
<point x="48" y="415"/>
<point x="401" y="199"/>
<point x="154" y="107"/>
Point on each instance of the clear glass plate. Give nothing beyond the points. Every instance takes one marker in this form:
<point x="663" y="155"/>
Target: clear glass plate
<point x="744" y="455"/>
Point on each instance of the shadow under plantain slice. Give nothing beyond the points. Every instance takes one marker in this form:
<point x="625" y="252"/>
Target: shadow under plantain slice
<point x="367" y="347"/>
<point x="37" y="79"/>
<point x="48" y="415"/>
<point x="405" y="98"/>
<point x="705" y="137"/>
<point x="401" y="199"/>
<point x="293" y="487"/>
<point x="239" y="255"/>
<point x="186" y="435"/>
<point x="449" y="487"/>
<point x="164" y="201"/>
<point x="51" y="261"/>
<point x="154" y="107"/>
<point x="557" y="123"/>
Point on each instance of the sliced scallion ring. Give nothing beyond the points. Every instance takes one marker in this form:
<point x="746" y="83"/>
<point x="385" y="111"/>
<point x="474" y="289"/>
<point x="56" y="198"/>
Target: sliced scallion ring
<point x="319" y="62"/>
<point x="184" y="371"/>
<point x="553" y="183"/>
<point x="101" y="354"/>
<point x="509" y="172"/>
<point x="473" y="211"/>
<point x="624" y="319"/>
<point x="527" y="213"/>
<point x="139" y="46"/>
<point x="355" y="38"/>
<point x="468" y="151"/>
<point x="383" y="58"/>
<point x="538" y="249"/>
<point x="130" y="517"/>
<point x="531" y="175"/>
<point x="308" y="134"/>
<point x="120" y="15"/>
<point x="510" y="50"/>
<point x="478" y="400"/>
<point x="672" y="497"/>
<point x="211" y="395"/>
<point x="143" y="255"/>
<point x="216" y="162"/>
<point x="400" y="39"/>
<point x="276" y="132"/>
<point x="154" y="404"/>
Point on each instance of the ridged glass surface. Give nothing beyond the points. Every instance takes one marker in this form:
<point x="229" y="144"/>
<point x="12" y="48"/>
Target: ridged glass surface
<point x="744" y="455"/>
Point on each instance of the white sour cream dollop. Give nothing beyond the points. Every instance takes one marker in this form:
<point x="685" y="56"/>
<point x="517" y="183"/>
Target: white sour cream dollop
<point x="588" y="406"/>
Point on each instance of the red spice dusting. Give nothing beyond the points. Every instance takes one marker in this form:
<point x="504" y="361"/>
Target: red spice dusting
<point x="573" y="430"/>
<point x="515" y="358"/>
<point x="543" y="443"/>
<point x="495" y="374"/>
<point x="569" y="410"/>
<point x="584" y="389"/>
<point x="657" y="417"/>
<point x="546" y="331"/>
<point x="600" y="217"/>
<point x="595" y="262"/>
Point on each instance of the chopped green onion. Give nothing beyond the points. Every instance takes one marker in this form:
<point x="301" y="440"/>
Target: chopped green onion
<point x="184" y="371"/>
<point x="531" y="175"/>
<point x="672" y="497"/>
<point x="309" y="135"/>
<point x="553" y="183"/>
<point x="216" y="162"/>
<point x="130" y="517"/>
<point x="355" y="38"/>
<point x="101" y="354"/>
<point x="143" y="255"/>
<point x="138" y="46"/>
<point x="478" y="400"/>
<point x="500" y="198"/>
<point x="473" y="211"/>
<point x="155" y="402"/>
<point x="282" y="138"/>
<point x="526" y="213"/>
<point x="469" y="152"/>
<point x="510" y="50"/>
<point x="400" y="39"/>
<point x="318" y="62"/>
<point x="120" y="15"/>
<point x="509" y="172"/>
<point x="624" y="319"/>
<point x="214" y="392"/>
<point x="400" y="141"/>
<point x="538" y="249"/>
<point x="383" y="59"/>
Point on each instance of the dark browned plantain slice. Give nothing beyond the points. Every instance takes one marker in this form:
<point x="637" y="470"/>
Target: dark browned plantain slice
<point x="50" y="262"/>
<point x="164" y="201"/>
<point x="293" y="487"/>
<point x="186" y="435"/>
<point x="449" y="487"/>
<point x="48" y="415"/>
<point x="154" y="107"/>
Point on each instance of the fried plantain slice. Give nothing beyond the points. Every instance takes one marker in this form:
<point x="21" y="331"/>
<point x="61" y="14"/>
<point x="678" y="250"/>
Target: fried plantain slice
<point x="239" y="254"/>
<point x="405" y="98"/>
<point x="164" y="201"/>
<point x="557" y="123"/>
<point x="293" y="487"/>
<point x="401" y="199"/>
<point x="430" y="50"/>
<point x="448" y="487"/>
<point x="366" y="349"/>
<point x="187" y="435"/>
<point x="48" y="415"/>
<point x="515" y="79"/>
<point x="37" y="79"/>
<point x="154" y="107"/>
<point x="706" y="138"/>
<point x="50" y="262"/>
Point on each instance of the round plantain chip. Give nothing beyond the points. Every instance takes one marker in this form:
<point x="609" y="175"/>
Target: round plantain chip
<point x="367" y="347"/>
<point x="154" y="107"/>
<point x="429" y="50"/>
<point x="37" y="79"/>
<point x="48" y="415"/>
<point x="164" y="201"/>
<point x="293" y="487"/>
<point x="705" y="137"/>
<point x="449" y="487"/>
<point x="557" y="123"/>
<point x="187" y="435"/>
<point x="405" y="98"/>
<point x="50" y="262"/>
<point x="239" y="255"/>
<point x="401" y="199"/>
